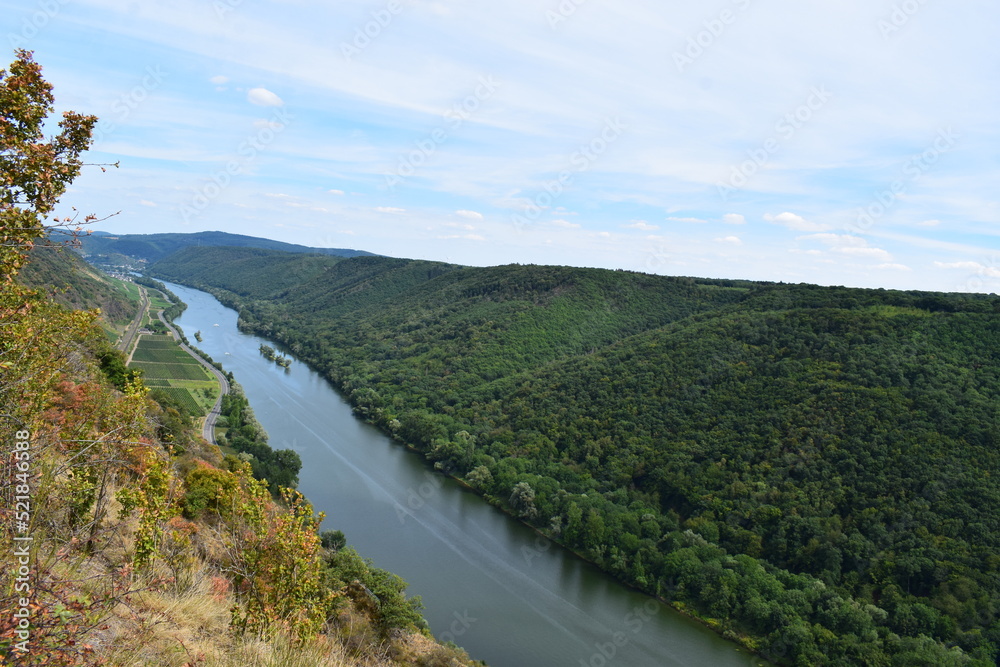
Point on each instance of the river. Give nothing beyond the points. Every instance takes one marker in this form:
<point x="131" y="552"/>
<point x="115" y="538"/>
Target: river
<point x="489" y="583"/>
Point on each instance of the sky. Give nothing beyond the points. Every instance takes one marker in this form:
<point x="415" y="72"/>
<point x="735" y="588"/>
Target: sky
<point x="850" y="143"/>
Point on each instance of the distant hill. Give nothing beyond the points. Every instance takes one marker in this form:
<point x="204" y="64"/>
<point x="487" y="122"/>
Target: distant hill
<point x="154" y="247"/>
<point x="813" y="470"/>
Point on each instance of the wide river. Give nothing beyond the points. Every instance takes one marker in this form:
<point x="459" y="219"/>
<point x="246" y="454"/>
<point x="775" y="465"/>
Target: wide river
<point x="488" y="583"/>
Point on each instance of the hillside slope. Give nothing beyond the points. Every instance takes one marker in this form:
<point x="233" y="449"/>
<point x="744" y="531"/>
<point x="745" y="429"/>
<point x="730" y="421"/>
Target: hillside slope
<point x="153" y="247"/>
<point x="814" y="468"/>
<point x="74" y="283"/>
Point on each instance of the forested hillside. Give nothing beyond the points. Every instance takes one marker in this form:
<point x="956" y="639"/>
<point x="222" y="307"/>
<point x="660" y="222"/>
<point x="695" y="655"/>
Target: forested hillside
<point x="815" y="471"/>
<point x="152" y="247"/>
<point x="74" y="283"/>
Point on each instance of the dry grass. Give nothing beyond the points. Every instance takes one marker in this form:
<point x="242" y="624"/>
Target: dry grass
<point x="177" y="613"/>
<point x="180" y="616"/>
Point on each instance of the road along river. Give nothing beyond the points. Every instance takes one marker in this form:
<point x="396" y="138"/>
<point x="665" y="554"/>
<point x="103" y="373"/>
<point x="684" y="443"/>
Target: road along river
<point x="489" y="583"/>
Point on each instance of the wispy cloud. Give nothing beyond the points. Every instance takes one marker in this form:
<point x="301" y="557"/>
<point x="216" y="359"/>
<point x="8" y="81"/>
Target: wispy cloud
<point x="263" y="97"/>
<point x="976" y="267"/>
<point x="641" y="225"/>
<point x="795" y="222"/>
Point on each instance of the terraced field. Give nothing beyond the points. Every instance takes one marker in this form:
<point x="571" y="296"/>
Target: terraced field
<point x="167" y="368"/>
<point x="163" y="355"/>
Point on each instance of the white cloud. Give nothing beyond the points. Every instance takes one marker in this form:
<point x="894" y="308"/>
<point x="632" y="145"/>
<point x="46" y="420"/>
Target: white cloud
<point x="971" y="266"/>
<point x="795" y="222"/>
<point x="390" y="209"/>
<point x="464" y="237"/>
<point x="146" y="202"/>
<point x="839" y="240"/>
<point x="219" y="80"/>
<point x="566" y="224"/>
<point x="929" y="223"/>
<point x="847" y="244"/>
<point x="697" y="221"/>
<point x="894" y="267"/>
<point x="471" y="215"/>
<point x="642" y="225"/>
<point x="336" y="192"/>
<point x="875" y="253"/>
<point x="732" y="240"/>
<point x="981" y="269"/>
<point x="263" y="97"/>
<point x="734" y="219"/>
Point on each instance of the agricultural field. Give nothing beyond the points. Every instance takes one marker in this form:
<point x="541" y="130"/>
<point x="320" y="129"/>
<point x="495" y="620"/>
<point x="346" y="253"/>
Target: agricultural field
<point x="168" y="368"/>
<point x="164" y="355"/>
<point x="171" y="371"/>
<point x="130" y="289"/>
<point x="157" y="302"/>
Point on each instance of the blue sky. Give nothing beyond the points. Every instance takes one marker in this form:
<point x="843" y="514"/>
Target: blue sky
<point x="850" y="143"/>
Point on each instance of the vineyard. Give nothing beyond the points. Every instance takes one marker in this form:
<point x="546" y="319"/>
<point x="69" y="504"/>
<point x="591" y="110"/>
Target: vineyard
<point x="169" y="369"/>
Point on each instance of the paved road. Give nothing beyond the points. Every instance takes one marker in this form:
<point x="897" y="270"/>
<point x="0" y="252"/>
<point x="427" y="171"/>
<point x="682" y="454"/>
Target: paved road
<point x="126" y="340"/>
<point x="208" y="427"/>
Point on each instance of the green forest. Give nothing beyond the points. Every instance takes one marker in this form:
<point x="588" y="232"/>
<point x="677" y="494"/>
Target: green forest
<point x="813" y="471"/>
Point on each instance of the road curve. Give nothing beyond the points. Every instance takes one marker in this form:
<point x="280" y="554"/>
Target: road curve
<point x="208" y="427"/>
